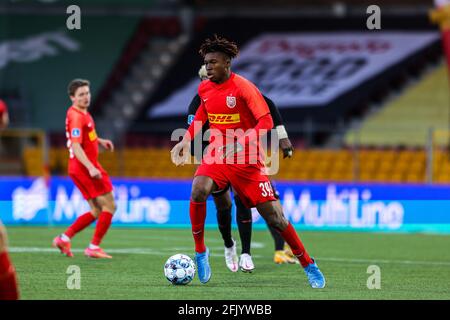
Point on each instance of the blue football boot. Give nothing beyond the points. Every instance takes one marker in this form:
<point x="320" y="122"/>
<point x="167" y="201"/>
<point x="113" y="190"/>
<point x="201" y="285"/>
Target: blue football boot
<point x="315" y="277"/>
<point x="202" y="262"/>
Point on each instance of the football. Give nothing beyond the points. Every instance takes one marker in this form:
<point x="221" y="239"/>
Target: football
<point x="179" y="269"/>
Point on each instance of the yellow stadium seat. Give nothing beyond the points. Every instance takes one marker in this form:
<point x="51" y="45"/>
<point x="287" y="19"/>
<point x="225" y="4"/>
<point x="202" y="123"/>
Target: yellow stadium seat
<point x="385" y="167"/>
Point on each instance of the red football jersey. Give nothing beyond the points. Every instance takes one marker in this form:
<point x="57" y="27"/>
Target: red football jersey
<point x="234" y="104"/>
<point x="3" y="107"/>
<point x="80" y="127"/>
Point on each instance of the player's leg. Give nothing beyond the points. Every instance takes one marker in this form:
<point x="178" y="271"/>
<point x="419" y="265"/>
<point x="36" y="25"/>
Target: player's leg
<point x="8" y="281"/>
<point x="244" y="222"/>
<point x="281" y="254"/>
<point x="272" y="212"/>
<point x="62" y="241"/>
<point x="255" y="190"/>
<point x="286" y="249"/>
<point x="107" y="207"/>
<point x="84" y="183"/>
<point x="83" y="221"/>
<point x="222" y="200"/>
<point x="202" y="187"/>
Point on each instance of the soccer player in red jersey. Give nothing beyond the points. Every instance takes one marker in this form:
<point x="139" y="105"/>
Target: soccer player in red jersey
<point x="86" y="172"/>
<point x="4" y="118"/>
<point x="231" y="102"/>
<point x="222" y="200"/>
<point x="8" y="280"/>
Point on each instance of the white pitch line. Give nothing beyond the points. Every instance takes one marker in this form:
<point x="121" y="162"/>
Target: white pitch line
<point x="147" y="251"/>
<point x="116" y="251"/>
<point x="437" y="263"/>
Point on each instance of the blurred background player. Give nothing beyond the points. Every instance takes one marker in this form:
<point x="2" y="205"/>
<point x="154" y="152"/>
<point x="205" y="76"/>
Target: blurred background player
<point x="226" y="93"/>
<point x="8" y="281"/>
<point x="4" y="117"/>
<point x="222" y="200"/>
<point x="86" y="172"/>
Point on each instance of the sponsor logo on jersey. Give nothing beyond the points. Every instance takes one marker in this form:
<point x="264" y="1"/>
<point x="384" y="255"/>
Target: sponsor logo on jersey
<point x="92" y="135"/>
<point x="76" y="133"/>
<point x="190" y="119"/>
<point x="231" y="101"/>
<point x="224" y="118"/>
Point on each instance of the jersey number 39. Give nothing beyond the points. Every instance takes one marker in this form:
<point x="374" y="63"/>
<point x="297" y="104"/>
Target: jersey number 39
<point x="266" y="189"/>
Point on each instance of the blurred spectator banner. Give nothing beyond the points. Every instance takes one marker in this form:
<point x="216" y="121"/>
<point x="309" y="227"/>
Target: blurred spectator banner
<point x="90" y="3"/>
<point x="441" y="3"/>
<point x="32" y="45"/>
<point x="165" y="203"/>
<point x="310" y="69"/>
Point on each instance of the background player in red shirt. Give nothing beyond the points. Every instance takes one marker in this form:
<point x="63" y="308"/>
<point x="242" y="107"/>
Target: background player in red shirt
<point x="230" y="101"/>
<point x="4" y="118"/>
<point x="86" y="172"/>
<point x="8" y="280"/>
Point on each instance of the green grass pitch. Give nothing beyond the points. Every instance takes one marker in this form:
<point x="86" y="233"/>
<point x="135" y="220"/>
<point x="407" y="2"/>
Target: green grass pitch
<point x="412" y="266"/>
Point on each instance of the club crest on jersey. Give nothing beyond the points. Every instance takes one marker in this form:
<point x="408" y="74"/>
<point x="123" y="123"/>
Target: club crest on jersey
<point x="76" y="132"/>
<point x="231" y="101"/>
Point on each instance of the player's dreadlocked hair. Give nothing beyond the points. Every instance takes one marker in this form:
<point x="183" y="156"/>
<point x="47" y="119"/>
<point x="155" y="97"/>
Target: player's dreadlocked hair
<point x="218" y="44"/>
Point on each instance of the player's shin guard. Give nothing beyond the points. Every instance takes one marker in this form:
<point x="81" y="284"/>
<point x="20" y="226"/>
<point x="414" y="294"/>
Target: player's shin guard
<point x="197" y="213"/>
<point x="8" y="281"/>
<point x="103" y="224"/>
<point x="290" y="236"/>
<point x="81" y="223"/>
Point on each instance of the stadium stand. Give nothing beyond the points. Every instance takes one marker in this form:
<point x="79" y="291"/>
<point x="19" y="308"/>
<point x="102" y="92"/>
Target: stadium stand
<point x="415" y="108"/>
<point x="38" y="46"/>
<point x="369" y="165"/>
<point x="154" y="46"/>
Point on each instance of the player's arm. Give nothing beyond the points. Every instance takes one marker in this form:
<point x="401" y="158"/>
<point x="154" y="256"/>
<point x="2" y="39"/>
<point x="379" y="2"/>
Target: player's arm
<point x="180" y="151"/>
<point x="285" y="143"/>
<point x="81" y="156"/>
<point x="274" y="112"/>
<point x="107" y="144"/>
<point x="193" y="107"/>
<point x="192" y="110"/>
<point x="4" y="120"/>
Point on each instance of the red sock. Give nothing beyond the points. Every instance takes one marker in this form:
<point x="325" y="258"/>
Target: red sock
<point x="197" y="213"/>
<point x="291" y="237"/>
<point x="103" y="223"/>
<point x="8" y="281"/>
<point x="82" y="222"/>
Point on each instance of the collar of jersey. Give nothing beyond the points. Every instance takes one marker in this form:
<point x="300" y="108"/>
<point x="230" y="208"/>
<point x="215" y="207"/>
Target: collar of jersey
<point x="73" y="107"/>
